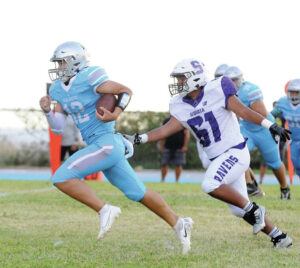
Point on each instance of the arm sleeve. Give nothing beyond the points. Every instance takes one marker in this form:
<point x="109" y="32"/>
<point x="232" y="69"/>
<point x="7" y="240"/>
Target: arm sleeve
<point x="56" y="122"/>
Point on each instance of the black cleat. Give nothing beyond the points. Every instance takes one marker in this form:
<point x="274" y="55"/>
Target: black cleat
<point x="254" y="190"/>
<point x="285" y="193"/>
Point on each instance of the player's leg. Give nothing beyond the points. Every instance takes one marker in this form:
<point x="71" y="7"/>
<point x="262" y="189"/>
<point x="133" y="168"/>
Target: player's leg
<point x="222" y="172"/>
<point x="63" y="151"/>
<point x="278" y="238"/>
<point x="270" y="152"/>
<point x="84" y="162"/>
<point x="252" y="186"/>
<point x="262" y="172"/>
<point x="179" y="160"/>
<point x="295" y="155"/>
<point x="124" y="178"/>
<point x="165" y="158"/>
<point x="178" y="171"/>
<point x="164" y="172"/>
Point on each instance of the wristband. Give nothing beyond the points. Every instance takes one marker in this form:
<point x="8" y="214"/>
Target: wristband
<point x="144" y="138"/>
<point x="123" y="100"/>
<point x="266" y="123"/>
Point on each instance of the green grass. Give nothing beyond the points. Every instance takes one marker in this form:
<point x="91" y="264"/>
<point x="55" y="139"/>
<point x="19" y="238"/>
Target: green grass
<point x="41" y="227"/>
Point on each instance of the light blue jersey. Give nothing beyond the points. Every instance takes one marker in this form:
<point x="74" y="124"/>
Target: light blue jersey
<point x="258" y="136"/>
<point x="79" y="98"/>
<point x="291" y="113"/>
<point x="106" y="150"/>
<point x="249" y="93"/>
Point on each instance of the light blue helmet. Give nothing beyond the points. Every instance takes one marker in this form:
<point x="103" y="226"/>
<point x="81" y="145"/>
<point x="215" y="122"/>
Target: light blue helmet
<point x="235" y="74"/>
<point x="74" y="57"/>
<point x="293" y="91"/>
<point x="221" y="70"/>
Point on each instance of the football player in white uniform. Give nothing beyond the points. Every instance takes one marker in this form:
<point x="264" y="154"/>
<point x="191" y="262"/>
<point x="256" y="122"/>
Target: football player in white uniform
<point x="208" y="109"/>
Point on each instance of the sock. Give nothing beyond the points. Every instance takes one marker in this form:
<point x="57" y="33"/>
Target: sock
<point x="103" y="209"/>
<point x="248" y="207"/>
<point x="275" y="232"/>
<point x="178" y="224"/>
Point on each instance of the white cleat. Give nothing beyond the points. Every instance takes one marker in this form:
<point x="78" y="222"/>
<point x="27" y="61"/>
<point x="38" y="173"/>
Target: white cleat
<point x="259" y="219"/>
<point x="107" y="216"/>
<point x="282" y="241"/>
<point x="183" y="229"/>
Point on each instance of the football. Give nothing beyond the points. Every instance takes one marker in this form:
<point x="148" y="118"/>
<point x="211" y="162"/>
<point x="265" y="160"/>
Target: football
<point x="107" y="101"/>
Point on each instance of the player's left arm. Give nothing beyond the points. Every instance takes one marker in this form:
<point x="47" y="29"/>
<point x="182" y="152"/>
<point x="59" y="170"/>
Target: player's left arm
<point x="244" y="112"/>
<point x="171" y="127"/>
<point x="124" y="96"/>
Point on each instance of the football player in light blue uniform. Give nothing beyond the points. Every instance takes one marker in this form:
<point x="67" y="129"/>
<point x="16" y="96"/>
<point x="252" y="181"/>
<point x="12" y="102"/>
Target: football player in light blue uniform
<point x="288" y="107"/>
<point x="251" y="96"/>
<point x="76" y="89"/>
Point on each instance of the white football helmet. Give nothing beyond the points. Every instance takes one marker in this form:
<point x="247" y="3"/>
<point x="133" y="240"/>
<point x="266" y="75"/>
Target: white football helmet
<point x="194" y="74"/>
<point x="235" y="74"/>
<point x="69" y="58"/>
<point x="293" y="91"/>
<point x="221" y="70"/>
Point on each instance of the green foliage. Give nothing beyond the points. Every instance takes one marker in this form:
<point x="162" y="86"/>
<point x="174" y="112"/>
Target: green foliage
<point x="25" y="154"/>
<point x="146" y="155"/>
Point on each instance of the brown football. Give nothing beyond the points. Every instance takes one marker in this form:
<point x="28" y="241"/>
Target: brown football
<point x="107" y="101"/>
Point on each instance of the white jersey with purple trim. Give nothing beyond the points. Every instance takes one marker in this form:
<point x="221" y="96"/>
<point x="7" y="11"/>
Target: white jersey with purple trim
<point x="215" y="127"/>
<point x="79" y="98"/>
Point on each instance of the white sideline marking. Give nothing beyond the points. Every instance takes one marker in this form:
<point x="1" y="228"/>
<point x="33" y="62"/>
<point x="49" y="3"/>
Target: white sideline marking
<point x="3" y="194"/>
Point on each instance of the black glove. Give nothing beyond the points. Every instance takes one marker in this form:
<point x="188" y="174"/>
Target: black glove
<point x="134" y="139"/>
<point x="282" y="133"/>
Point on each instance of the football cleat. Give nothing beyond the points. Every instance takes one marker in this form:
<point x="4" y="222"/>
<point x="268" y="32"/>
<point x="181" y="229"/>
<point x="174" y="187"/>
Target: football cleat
<point x="254" y="190"/>
<point x="259" y="215"/>
<point x="285" y="193"/>
<point x="282" y="241"/>
<point x="183" y="230"/>
<point x="107" y="216"/>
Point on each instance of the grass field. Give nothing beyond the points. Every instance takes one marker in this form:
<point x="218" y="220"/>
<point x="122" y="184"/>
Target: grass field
<point x="40" y="227"/>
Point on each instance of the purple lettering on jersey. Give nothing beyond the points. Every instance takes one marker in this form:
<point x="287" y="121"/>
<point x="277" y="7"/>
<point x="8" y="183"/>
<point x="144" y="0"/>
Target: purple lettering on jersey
<point x="223" y="169"/>
<point x="217" y="178"/>
<point x="221" y="174"/>
<point x="228" y="88"/>
<point x="226" y="165"/>
<point x="233" y="158"/>
<point x="203" y="135"/>
<point x="230" y="162"/>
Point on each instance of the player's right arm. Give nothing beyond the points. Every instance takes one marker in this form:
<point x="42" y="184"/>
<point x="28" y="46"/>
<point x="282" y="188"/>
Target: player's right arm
<point x="166" y="130"/>
<point x="244" y="112"/>
<point x="56" y="118"/>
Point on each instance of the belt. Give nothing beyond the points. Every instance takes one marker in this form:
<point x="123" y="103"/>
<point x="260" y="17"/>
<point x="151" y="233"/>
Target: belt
<point x="239" y="146"/>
